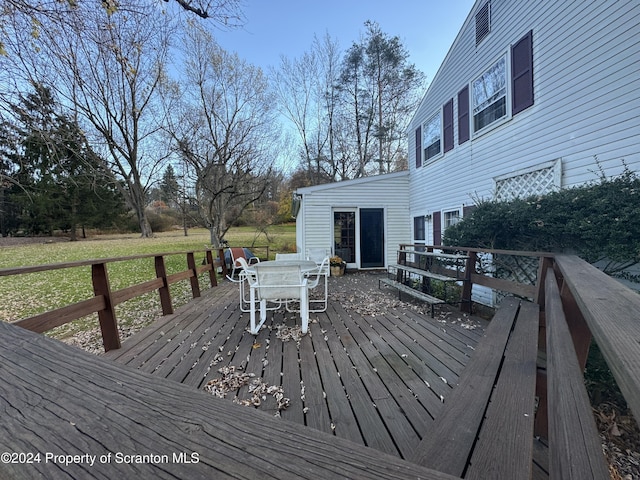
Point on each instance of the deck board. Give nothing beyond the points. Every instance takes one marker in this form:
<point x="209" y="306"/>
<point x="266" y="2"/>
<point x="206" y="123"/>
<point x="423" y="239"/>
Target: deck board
<point x="375" y="379"/>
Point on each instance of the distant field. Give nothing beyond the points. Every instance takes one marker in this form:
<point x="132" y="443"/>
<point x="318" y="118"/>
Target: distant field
<point x="25" y="295"/>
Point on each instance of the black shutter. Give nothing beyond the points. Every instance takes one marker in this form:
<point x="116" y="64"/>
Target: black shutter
<point x="467" y="209"/>
<point x="437" y="229"/>
<point x="418" y="147"/>
<point x="447" y="116"/>
<point x="463" y="115"/>
<point x="522" y="73"/>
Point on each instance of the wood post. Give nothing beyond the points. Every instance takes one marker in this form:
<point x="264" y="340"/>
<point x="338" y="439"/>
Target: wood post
<point x="165" y="296"/>
<point x="467" y="286"/>
<point x="107" y="316"/>
<point x="225" y="272"/>
<point x="195" y="284"/>
<point x="213" y="277"/>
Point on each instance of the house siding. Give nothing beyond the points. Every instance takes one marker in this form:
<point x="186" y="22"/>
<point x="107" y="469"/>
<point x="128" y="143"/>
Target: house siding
<point x="586" y="92"/>
<point x="314" y="223"/>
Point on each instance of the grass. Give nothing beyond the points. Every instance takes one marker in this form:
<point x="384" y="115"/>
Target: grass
<point x="25" y="295"/>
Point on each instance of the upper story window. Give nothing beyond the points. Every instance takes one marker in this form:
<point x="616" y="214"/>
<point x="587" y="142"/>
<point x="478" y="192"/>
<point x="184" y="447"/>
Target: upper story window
<point x="489" y="95"/>
<point x="483" y="22"/>
<point x="431" y="140"/>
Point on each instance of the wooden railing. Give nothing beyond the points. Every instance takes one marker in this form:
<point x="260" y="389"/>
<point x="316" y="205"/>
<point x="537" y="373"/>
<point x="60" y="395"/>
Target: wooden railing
<point x="579" y="304"/>
<point x="105" y="299"/>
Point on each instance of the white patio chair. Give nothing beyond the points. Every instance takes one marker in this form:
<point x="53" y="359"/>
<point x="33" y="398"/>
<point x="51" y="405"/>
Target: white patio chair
<point x="321" y="257"/>
<point x="318" y="255"/>
<point x="246" y="276"/>
<point x="314" y="280"/>
<point x="287" y="256"/>
<point x="279" y="284"/>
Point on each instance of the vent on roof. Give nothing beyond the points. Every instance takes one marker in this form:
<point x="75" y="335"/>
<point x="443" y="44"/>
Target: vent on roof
<point x="483" y="22"/>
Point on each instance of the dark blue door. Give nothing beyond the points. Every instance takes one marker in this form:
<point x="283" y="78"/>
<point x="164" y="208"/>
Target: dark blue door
<point x="371" y="237"/>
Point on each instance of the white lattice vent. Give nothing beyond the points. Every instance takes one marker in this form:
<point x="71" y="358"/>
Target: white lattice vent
<point x="537" y="180"/>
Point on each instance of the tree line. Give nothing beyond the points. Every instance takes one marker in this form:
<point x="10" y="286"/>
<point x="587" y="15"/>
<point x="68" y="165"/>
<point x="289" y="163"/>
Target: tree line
<point x="102" y="104"/>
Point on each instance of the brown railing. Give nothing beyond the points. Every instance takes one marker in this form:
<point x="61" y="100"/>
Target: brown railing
<point x="105" y="299"/>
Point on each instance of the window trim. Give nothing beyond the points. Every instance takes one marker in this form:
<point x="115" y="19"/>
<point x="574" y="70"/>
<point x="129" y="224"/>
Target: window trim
<point x="426" y="158"/>
<point x="506" y="54"/>
<point x="445" y="211"/>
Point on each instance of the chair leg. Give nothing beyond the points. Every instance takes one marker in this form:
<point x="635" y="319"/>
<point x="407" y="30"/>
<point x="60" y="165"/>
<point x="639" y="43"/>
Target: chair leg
<point x="304" y="309"/>
<point x="252" y="309"/>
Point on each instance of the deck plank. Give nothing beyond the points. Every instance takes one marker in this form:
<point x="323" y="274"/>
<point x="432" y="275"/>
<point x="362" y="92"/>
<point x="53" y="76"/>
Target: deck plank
<point x="59" y="399"/>
<point x="373" y="379"/>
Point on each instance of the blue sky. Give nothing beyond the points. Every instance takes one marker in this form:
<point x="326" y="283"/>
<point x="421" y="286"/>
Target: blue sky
<point x="273" y="28"/>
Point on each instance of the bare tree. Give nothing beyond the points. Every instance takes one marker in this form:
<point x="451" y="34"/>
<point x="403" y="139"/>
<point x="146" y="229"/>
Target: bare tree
<point x="225" y="131"/>
<point x="106" y="68"/>
<point x="306" y="90"/>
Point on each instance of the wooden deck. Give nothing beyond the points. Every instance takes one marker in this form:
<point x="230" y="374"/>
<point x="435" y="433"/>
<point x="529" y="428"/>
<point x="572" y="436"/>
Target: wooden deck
<point x="374" y="376"/>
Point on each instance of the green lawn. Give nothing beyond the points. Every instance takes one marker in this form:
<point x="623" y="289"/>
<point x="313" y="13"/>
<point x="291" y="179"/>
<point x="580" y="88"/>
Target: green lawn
<point x="25" y="295"/>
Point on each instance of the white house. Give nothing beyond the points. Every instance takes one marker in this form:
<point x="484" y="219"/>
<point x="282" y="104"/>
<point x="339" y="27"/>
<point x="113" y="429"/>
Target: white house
<point x="531" y="97"/>
<point x="362" y="220"/>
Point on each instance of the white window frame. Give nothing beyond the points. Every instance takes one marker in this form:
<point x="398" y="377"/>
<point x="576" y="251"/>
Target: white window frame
<point x="447" y="211"/>
<point x="483" y="103"/>
<point x="428" y="141"/>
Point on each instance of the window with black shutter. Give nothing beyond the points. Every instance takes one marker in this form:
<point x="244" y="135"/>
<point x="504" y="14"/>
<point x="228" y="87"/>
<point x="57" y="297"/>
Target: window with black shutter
<point x="522" y="74"/>
<point x="463" y="115"/>
<point x="418" y="147"/>
<point x="447" y="120"/>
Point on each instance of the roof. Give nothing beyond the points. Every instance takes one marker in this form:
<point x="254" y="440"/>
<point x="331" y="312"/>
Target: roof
<point x="349" y="183"/>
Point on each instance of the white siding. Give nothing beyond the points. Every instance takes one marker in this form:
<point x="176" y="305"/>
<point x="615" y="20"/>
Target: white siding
<point x="314" y="223"/>
<point x="587" y="98"/>
<point x="586" y="71"/>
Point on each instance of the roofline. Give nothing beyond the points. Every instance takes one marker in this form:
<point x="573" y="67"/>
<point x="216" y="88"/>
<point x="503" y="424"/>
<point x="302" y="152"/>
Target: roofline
<point x="346" y="183"/>
<point x="446" y="57"/>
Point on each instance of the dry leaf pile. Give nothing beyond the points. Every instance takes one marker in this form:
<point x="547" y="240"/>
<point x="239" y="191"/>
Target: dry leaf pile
<point x="620" y="442"/>
<point x="233" y="378"/>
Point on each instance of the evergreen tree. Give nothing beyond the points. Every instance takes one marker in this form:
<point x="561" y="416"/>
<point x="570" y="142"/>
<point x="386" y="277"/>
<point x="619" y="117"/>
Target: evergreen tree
<point x="58" y="182"/>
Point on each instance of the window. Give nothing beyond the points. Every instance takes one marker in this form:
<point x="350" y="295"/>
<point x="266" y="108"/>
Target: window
<point x="463" y="115"/>
<point x="522" y="74"/>
<point x="418" y="229"/>
<point x="490" y="95"/>
<point x="483" y="22"/>
<point x="447" y="119"/>
<point x="450" y="218"/>
<point x="431" y="137"/>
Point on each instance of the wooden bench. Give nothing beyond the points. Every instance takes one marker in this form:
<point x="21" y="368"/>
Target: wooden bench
<point x="401" y="287"/>
<point x="485" y="430"/>
<point x="424" y="267"/>
<point x="487" y="427"/>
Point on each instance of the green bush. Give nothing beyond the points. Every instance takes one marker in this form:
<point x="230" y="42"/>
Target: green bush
<point x="597" y="221"/>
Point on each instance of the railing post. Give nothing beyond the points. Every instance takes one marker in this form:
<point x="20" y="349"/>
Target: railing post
<point x="107" y="316"/>
<point x="213" y="277"/>
<point x="165" y="296"/>
<point x="467" y="286"/>
<point x="225" y="272"/>
<point x="195" y="284"/>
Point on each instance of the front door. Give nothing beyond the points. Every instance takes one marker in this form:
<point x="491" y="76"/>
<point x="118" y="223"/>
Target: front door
<point x="371" y="237"/>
